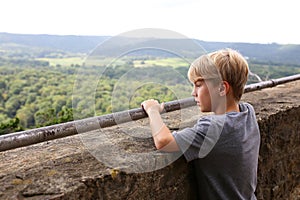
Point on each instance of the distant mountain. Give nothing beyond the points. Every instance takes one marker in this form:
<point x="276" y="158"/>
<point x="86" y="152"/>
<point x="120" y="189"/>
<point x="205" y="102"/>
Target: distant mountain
<point x="265" y="53"/>
<point x="70" y="43"/>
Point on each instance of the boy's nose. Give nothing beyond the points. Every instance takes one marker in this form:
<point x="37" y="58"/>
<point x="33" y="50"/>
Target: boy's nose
<point x="193" y="93"/>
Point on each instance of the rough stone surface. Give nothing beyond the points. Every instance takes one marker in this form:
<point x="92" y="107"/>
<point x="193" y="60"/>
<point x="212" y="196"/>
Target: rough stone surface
<point x="278" y="113"/>
<point x="122" y="163"/>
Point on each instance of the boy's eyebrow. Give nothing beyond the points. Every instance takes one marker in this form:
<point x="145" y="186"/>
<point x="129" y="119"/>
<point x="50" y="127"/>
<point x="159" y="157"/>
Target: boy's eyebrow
<point x="199" y="79"/>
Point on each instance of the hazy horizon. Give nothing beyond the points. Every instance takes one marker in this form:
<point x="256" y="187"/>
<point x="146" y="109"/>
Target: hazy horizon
<point x="109" y="36"/>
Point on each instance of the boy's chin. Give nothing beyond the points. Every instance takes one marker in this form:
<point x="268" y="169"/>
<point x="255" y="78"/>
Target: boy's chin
<point x="202" y="109"/>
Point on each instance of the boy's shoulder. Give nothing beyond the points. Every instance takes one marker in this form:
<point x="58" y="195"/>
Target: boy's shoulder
<point x="231" y="118"/>
<point x="245" y="106"/>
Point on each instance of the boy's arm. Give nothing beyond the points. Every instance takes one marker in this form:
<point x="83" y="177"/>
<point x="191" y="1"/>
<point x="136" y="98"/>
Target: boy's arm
<point x="162" y="136"/>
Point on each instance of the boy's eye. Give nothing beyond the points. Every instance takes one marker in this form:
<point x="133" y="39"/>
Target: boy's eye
<point x="198" y="84"/>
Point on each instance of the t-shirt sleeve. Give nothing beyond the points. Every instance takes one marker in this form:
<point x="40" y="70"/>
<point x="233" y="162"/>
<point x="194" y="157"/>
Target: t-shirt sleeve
<point x="190" y="140"/>
<point x="198" y="141"/>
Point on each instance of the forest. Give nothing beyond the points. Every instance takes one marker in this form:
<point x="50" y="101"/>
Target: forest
<point x="42" y="86"/>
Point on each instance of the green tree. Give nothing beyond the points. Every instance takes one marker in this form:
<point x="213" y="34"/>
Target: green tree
<point x="45" y="117"/>
<point x="65" y="115"/>
<point x="26" y="116"/>
<point x="10" y="126"/>
<point x="12" y="105"/>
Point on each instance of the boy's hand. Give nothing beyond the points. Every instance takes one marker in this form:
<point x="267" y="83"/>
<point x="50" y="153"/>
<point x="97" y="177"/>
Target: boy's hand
<point x="152" y="105"/>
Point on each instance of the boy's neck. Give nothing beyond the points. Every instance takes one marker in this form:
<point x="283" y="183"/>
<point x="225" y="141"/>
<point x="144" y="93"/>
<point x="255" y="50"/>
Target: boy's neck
<point x="231" y="106"/>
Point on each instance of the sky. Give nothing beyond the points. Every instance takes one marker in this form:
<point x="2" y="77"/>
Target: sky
<point x="253" y="21"/>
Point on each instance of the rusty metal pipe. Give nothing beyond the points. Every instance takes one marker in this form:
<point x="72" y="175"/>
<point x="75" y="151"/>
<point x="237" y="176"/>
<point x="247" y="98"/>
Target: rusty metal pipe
<point x="34" y="136"/>
<point x="271" y="83"/>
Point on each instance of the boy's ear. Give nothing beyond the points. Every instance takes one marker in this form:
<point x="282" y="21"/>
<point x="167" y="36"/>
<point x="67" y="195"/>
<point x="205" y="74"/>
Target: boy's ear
<point x="224" y="88"/>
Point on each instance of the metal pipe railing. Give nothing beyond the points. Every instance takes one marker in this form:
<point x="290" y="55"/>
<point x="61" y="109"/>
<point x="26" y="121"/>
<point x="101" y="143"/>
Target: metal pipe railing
<point x="271" y="83"/>
<point x="29" y="137"/>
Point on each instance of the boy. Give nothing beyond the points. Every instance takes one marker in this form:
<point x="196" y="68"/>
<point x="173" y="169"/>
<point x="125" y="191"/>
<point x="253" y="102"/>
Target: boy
<point x="223" y="147"/>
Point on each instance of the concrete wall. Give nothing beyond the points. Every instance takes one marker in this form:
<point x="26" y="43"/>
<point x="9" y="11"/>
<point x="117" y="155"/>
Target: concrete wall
<point x="67" y="168"/>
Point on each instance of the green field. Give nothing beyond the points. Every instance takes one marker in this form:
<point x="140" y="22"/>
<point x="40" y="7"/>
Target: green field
<point x="137" y="62"/>
<point x="164" y="62"/>
<point x="63" y="61"/>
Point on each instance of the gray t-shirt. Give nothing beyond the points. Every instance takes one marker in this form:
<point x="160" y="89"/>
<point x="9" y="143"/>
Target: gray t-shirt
<point x="223" y="150"/>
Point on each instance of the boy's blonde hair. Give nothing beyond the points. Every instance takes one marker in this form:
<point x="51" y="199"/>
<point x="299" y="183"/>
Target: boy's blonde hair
<point x="223" y="65"/>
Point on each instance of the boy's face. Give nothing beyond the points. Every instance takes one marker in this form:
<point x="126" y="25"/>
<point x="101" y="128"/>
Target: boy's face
<point x="205" y="94"/>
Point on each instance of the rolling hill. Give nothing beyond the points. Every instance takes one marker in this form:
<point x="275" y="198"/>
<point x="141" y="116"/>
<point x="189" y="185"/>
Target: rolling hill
<point x="265" y="53"/>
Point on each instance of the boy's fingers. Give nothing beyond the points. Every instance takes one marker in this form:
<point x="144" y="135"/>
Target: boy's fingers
<point x="152" y="103"/>
<point x="162" y="106"/>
